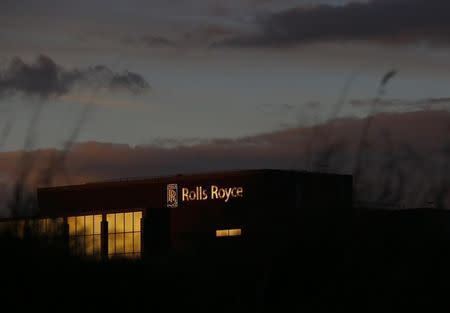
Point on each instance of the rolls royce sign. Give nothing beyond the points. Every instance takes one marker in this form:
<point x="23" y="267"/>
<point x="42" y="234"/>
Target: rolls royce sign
<point x="172" y="195"/>
<point x="201" y="193"/>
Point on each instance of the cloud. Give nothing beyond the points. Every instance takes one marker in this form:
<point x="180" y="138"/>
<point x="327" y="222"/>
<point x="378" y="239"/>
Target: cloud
<point x="160" y="41"/>
<point x="45" y="78"/>
<point x="434" y="103"/>
<point x="151" y="41"/>
<point x="399" y="21"/>
<point x="400" y="166"/>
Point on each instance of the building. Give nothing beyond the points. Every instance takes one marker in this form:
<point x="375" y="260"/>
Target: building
<point x="184" y="213"/>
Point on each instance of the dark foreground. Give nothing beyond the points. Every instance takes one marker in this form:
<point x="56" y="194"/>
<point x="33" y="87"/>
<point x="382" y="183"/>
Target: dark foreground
<point x="392" y="263"/>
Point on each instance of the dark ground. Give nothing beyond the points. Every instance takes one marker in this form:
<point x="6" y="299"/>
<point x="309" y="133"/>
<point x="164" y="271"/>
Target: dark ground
<point x="381" y="263"/>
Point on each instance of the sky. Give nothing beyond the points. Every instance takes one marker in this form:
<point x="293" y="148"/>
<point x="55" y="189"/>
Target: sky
<point x="204" y="77"/>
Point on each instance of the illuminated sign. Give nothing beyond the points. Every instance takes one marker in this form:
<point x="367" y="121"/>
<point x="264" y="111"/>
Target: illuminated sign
<point x="172" y="195"/>
<point x="200" y="193"/>
<point x="212" y="193"/>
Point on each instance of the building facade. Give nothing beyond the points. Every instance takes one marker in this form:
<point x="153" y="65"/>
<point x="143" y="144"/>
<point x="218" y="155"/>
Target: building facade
<point x="185" y="213"/>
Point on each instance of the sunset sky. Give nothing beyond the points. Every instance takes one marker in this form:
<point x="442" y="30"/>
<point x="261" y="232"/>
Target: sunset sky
<point x="202" y="77"/>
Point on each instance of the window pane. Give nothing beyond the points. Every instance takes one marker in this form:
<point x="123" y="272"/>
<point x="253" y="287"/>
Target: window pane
<point x="120" y="243"/>
<point x="71" y="221"/>
<point x="60" y="226"/>
<point x="137" y="221"/>
<point x="128" y="242"/>
<point x="97" y="224"/>
<point x="73" y="245"/>
<point x="21" y="229"/>
<point x="89" y="224"/>
<point x="222" y="233"/>
<point x="128" y="222"/>
<point x="111" y="244"/>
<point x="38" y="227"/>
<point x="49" y="227"/>
<point x="137" y="242"/>
<point x="97" y="245"/>
<point x="79" y="245"/>
<point x="52" y="227"/>
<point x="89" y="244"/>
<point x="120" y="227"/>
<point x="111" y="223"/>
<point x="43" y="228"/>
<point x="80" y="225"/>
<point x="234" y="232"/>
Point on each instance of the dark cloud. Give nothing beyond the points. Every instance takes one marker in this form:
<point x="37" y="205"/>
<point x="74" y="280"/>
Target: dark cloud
<point x="407" y="157"/>
<point x="45" y="78"/>
<point x="151" y="41"/>
<point x="395" y="21"/>
<point x="128" y="81"/>
<point x="399" y="103"/>
<point x="200" y="35"/>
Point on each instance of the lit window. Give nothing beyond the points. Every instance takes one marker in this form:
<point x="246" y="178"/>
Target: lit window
<point x="129" y="243"/>
<point x="234" y="232"/>
<point x="72" y="225"/>
<point x="84" y="232"/>
<point x="222" y="233"/>
<point x="137" y="241"/>
<point x="137" y="221"/>
<point x="228" y="232"/>
<point x="89" y="225"/>
<point x="120" y="223"/>
<point x="97" y="224"/>
<point x="111" y="243"/>
<point x="97" y="245"/>
<point x="124" y="239"/>
<point x="111" y="218"/>
<point x="89" y="245"/>
<point x="128" y="222"/>
<point x="120" y="243"/>
<point x="80" y="225"/>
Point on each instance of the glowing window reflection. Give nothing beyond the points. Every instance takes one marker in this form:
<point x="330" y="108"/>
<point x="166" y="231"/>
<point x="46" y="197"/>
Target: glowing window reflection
<point x="222" y="233"/>
<point x="119" y="223"/>
<point x="124" y="239"/>
<point x="89" y="225"/>
<point x="84" y="235"/>
<point x="137" y="221"/>
<point x="44" y="227"/>
<point x="234" y="232"/>
<point x="128" y="222"/>
<point x="97" y="224"/>
<point x="111" y="219"/>
<point x="71" y="221"/>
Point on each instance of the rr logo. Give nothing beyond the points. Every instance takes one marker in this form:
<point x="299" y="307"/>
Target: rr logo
<point x="172" y="195"/>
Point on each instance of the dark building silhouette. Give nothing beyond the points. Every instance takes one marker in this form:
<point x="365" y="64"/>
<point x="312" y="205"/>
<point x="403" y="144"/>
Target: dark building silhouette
<point x="259" y="209"/>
